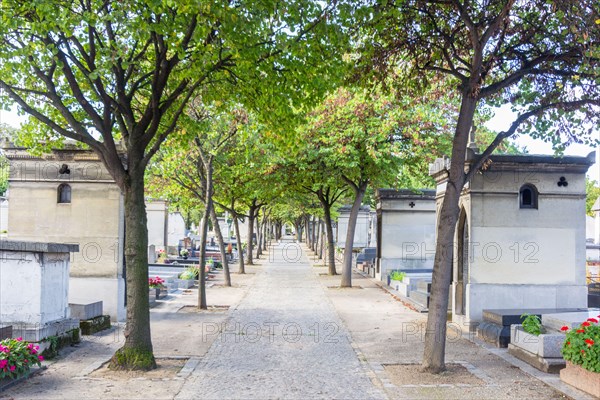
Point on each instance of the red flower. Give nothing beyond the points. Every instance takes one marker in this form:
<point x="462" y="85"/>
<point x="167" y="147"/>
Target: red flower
<point x="590" y="342"/>
<point x="585" y="323"/>
<point x="568" y="343"/>
<point x="580" y="330"/>
<point x="564" y="328"/>
<point x="594" y="320"/>
<point x="582" y="351"/>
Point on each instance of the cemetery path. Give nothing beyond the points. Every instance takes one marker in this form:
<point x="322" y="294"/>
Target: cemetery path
<point x="284" y="340"/>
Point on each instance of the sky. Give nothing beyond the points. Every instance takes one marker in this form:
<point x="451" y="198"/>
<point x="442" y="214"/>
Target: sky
<point x="501" y="121"/>
<point x="503" y="117"/>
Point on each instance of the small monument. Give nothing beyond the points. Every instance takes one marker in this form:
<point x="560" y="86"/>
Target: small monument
<point x="406" y="239"/>
<point x="520" y="237"/>
<point x="361" y="233"/>
<point x="34" y="289"/>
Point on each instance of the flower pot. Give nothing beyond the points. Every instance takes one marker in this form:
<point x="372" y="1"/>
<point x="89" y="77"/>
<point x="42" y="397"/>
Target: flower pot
<point x="581" y="378"/>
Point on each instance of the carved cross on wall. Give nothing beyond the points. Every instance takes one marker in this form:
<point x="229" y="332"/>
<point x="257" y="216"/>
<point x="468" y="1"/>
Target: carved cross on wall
<point x="412" y="204"/>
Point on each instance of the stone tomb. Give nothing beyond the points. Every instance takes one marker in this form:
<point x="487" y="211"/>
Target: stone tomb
<point x="496" y="324"/>
<point x="406" y="239"/>
<point x="520" y="237"/>
<point x="69" y="196"/>
<point x="405" y="230"/>
<point x="34" y="289"/>
<point x="544" y="351"/>
<point x="361" y="233"/>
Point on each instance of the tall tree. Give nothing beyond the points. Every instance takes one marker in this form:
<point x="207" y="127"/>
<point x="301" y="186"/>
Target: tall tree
<point x="116" y="76"/>
<point x="365" y="137"/>
<point x="540" y="56"/>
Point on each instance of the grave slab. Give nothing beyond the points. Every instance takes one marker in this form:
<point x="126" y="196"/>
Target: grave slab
<point x="83" y="311"/>
<point x="570" y="319"/>
<point x="495" y="328"/>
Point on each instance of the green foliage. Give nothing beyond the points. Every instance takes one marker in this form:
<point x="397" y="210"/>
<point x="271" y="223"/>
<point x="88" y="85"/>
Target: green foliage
<point x="558" y="99"/>
<point x="191" y="272"/>
<point x="17" y="357"/>
<point x="592" y="192"/>
<point x="582" y="345"/>
<point x="397" y="275"/>
<point x="132" y="359"/>
<point x="532" y="324"/>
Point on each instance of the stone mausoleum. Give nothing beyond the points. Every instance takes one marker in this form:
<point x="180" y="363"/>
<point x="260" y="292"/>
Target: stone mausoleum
<point x="405" y="231"/>
<point x="68" y="196"/>
<point x="361" y="232"/>
<point x="520" y="237"/>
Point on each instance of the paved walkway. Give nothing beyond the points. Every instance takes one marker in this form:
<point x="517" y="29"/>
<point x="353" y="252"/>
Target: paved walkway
<point x="283" y="341"/>
<point x="290" y="333"/>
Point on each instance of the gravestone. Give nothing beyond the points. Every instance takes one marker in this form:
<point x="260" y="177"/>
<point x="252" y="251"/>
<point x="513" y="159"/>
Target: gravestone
<point x="151" y="254"/>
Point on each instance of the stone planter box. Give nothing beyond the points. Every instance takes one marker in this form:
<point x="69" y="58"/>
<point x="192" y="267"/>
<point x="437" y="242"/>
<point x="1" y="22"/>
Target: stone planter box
<point x="542" y="352"/>
<point x="395" y="284"/>
<point x="185" y="283"/>
<point x="581" y="378"/>
<point x="158" y="293"/>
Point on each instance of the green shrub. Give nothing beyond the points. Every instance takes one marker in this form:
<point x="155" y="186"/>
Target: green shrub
<point x="17" y="357"/>
<point x="532" y="324"/>
<point x="190" y="272"/>
<point x="397" y="275"/>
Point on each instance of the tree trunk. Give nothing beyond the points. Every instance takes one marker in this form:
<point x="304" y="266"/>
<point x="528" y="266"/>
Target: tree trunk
<point x="258" y="237"/>
<point x="264" y="234"/>
<point x="202" y="304"/>
<point x="317" y="239"/>
<point x="307" y="231"/>
<point x="236" y="224"/>
<point x="222" y="250"/>
<point x="251" y="218"/>
<point x="202" y="262"/>
<point x="347" y="267"/>
<point x="435" y="334"/>
<point x="136" y="353"/>
<point x="321" y="241"/>
<point x="330" y="241"/>
<point x="298" y="228"/>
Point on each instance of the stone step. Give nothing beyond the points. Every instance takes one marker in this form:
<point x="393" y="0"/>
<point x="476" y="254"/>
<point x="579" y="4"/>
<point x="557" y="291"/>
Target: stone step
<point x="81" y="310"/>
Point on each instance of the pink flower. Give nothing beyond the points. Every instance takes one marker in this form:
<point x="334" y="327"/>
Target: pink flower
<point x="19" y="339"/>
<point x="12" y="368"/>
<point x="41" y="358"/>
<point x="3" y="363"/>
<point x="564" y="328"/>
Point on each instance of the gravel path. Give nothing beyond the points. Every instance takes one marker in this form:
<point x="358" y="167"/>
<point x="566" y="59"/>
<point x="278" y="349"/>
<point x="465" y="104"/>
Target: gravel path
<point x="284" y="340"/>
